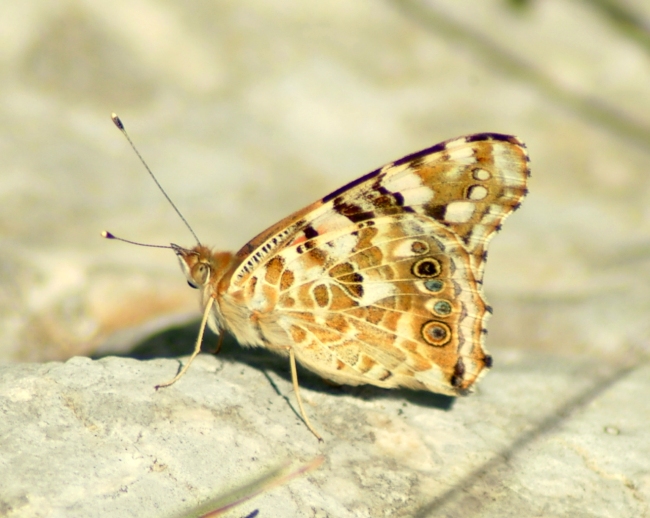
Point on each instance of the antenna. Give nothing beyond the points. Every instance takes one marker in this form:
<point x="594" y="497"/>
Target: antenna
<point x="106" y="234"/>
<point x="116" y="120"/>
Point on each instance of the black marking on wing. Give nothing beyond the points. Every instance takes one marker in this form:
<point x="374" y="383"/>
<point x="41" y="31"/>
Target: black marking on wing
<point x="459" y="372"/>
<point x="305" y="247"/>
<point x="399" y="199"/>
<point x="255" y="259"/>
<point x="415" y="157"/>
<point x="437" y="212"/>
<point x="493" y="136"/>
<point x="348" y="186"/>
<point x="310" y="232"/>
<point x="388" y="200"/>
<point x="415" y="160"/>
<point x="353" y="212"/>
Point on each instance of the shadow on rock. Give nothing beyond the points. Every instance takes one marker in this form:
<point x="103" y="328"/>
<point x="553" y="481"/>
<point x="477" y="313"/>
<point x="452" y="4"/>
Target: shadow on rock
<point x="179" y="341"/>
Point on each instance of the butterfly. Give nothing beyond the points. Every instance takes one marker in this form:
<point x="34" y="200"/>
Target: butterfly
<point x="379" y="282"/>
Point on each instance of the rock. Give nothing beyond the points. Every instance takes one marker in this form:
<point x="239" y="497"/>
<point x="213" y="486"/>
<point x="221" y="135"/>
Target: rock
<point x="543" y="436"/>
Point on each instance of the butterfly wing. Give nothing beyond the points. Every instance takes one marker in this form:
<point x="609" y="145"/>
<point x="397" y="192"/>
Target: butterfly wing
<point x="380" y="281"/>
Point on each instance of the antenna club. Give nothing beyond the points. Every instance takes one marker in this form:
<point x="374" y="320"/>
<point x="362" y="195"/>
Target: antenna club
<point x="108" y="235"/>
<point x="116" y="120"/>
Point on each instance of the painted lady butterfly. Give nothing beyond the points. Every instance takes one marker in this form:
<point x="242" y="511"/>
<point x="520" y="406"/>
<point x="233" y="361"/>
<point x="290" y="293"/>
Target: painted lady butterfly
<point x="380" y="281"/>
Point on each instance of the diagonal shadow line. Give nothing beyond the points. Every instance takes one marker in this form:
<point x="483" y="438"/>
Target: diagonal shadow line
<point x="283" y="396"/>
<point x="629" y="23"/>
<point x="546" y="425"/>
<point x="592" y="109"/>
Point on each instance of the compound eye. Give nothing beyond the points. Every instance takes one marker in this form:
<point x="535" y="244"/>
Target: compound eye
<point x="200" y="274"/>
<point x="192" y="285"/>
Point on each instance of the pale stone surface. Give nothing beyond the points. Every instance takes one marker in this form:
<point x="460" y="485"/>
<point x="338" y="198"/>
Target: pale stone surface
<point x="247" y="112"/>
<point x="543" y="437"/>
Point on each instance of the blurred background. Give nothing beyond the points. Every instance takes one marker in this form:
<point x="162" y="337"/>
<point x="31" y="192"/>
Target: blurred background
<point x="249" y="111"/>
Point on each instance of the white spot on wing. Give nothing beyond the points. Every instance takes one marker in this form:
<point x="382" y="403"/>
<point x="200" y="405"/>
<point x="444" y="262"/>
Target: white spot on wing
<point x="373" y="292"/>
<point x="461" y="153"/>
<point x="405" y="249"/>
<point x="330" y="221"/>
<point x="477" y="192"/>
<point x="342" y="246"/>
<point x="259" y="300"/>
<point x="459" y="212"/>
<point x="481" y="174"/>
<point x="410" y="186"/>
<point x="509" y="166"/>
<point x="418" y="196"/>
<point x="402" y="182"/>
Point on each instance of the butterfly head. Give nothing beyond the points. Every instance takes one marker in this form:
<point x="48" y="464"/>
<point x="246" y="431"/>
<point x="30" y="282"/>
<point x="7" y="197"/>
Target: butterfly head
<point x="200" y="265"/>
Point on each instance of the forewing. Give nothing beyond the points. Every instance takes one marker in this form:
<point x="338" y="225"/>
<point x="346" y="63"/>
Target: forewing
<point x="469" y="185"/>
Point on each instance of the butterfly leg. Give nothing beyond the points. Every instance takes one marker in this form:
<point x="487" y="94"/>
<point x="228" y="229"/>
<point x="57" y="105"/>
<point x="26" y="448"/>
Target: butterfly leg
<point x="294" y="379"/>
<point x="197" y="347"/>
